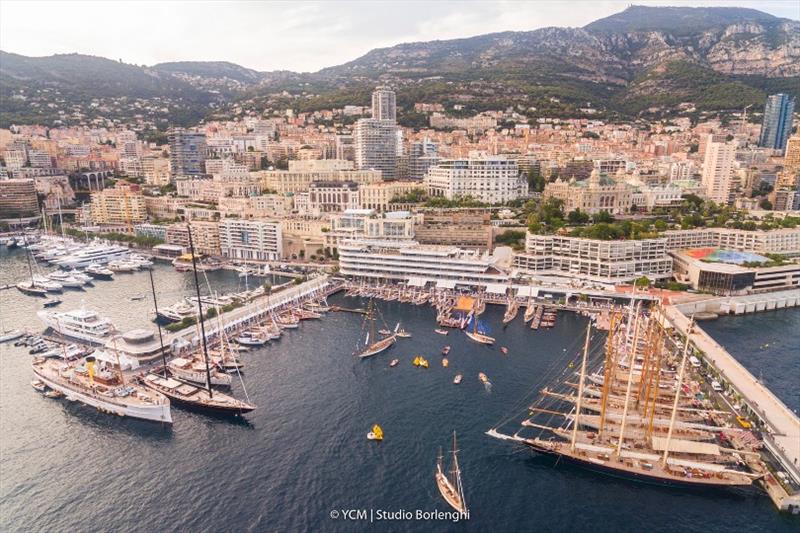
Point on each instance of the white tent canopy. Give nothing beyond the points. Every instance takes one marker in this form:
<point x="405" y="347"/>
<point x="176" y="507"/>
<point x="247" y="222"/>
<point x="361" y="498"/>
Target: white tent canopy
<point x="417" y="282"/>
<point x="126" y="362"/>
<point x="496" y="288"/>
<point x="527" y="292"/>
<point x="446" y="284"/>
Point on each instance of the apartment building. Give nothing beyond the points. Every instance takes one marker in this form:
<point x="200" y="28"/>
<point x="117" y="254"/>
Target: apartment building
<point x="205" y="236"/>
<point x="250" y="240"/>
<point x="470" y="229"/>
<point x="187" y="152"/>
<point x="595" y="260"/>
<point x="377" y="146"/>
<point x="720" y="178"/>
<point x="493" y="179"/>
<point x="262" y="206"/>
<point x="123" y="204"/>
<point x="18" y="198"/>
<point x="164" y="207"/>
<point x="302" y="174"/>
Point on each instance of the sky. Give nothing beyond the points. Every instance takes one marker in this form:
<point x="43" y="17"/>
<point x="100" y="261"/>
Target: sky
<point x="277" y="35"/>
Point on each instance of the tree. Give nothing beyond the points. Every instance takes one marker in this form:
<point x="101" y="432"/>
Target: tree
<point x="602" y="217"/>
<point x="513" y="238"/>
<point x="642" y="282"/>
<point x="660" y="225"/>
<point x="577" y="217"/>
<point x="765" y="204"/>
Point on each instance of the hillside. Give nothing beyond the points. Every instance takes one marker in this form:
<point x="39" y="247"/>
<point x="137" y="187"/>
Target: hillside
<point x="644" y="59"/>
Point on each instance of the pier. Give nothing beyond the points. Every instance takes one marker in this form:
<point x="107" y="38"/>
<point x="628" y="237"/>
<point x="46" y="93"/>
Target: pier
<point x="782" y="427"/>
<point x="744" y="304"/>
<point x="257" y="310"/>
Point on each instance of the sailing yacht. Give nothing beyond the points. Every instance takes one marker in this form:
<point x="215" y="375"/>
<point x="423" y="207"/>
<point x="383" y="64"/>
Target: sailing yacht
<point x="377" y="346"/>
<point x="449" y="483"/>
<point x="188" y="395"/>
<point x="476" y="335"/>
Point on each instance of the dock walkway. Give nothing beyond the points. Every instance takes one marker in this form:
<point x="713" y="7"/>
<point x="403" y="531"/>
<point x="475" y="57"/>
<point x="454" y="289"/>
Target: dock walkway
<point x="782" y="437"/>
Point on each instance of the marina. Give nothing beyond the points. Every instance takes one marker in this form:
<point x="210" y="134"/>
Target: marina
<point x="286" y="374"/>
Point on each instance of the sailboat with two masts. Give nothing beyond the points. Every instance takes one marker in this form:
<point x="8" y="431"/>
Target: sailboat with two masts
<point x="376" y="346"/>
<point x="449" y="483"/>
<point x="186" y="394"/>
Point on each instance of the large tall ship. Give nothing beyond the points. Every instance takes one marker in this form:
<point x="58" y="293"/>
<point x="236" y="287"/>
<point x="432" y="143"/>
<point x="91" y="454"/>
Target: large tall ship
<point x="449" y="483"/>
<point x="635" y="418"/>
<point x="102" y="389"/>
<point x="81" y="324"/>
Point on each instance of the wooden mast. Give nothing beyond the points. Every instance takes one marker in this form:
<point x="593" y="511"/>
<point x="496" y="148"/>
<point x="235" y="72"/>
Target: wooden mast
<point x="158" y="323"/>
<point x="580" y="388"/>
<point x="678" y="390"/>
<point x="608" y="367"/>
<point x="631" y="361"/>
<point x="200" y="310"/>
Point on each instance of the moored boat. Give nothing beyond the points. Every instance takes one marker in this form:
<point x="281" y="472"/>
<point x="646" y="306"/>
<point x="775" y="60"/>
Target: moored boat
<point x="449" y="483"/>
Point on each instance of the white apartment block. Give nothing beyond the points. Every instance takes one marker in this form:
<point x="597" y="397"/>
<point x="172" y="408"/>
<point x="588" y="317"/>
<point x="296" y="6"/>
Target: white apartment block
<point x="720" y="177"/>
<point x="250" y="240"/>
<point x="419" y="264"/>
<point x="595" y="260"/>
<point x="487" y="179"/>
<point x="300" y="177"/>
<point x="779" y="241"/>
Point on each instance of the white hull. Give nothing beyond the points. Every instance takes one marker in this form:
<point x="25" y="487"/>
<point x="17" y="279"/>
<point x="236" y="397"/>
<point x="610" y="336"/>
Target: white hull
<point x="478" y="337"/>
<point x="155" y="413"/>
<point x="64" y="331"/>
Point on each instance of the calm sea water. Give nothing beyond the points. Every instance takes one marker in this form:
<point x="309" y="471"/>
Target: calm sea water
<point x="303" y="453"/>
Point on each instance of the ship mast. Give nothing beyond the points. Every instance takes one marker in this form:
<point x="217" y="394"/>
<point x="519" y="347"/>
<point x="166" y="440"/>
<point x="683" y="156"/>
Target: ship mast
<point x="457" y="472"/>
<point x="631" y="361"/>
<point x="200" y="311"/>
<point x="678" y="390"/>
<point x="160" y="337"/>
<point x="580" y="388"/>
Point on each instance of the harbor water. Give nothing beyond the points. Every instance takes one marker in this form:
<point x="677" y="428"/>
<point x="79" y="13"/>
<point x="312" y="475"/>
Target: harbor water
<point x="302" y="457"/>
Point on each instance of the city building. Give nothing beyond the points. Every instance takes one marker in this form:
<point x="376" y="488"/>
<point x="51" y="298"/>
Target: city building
<point x="18" y="199"/>
<point x="417" y="264"/>
<point x="123" y="204"/>
<point x="377" y="144"/>
<point x="187" y="152"/>
<point x="470" y="229"/>
<point x="593" y="195"/>
<point x="332" y="196"/>
<point x="725" y="272"/>
<point x="302" y="173"/>
<point x="367" y="224"/>
<point x="490" y="179"/>
<point x="387" y="195"/>
<point x="250" y="240"/>
<point x="205" y="236"/>
<point x="719" y="177"/>
<point x="777" y="124"/>
<point x="384" y="104"/>
<point x="608" y="262"/>
<point x="784" y="241"/>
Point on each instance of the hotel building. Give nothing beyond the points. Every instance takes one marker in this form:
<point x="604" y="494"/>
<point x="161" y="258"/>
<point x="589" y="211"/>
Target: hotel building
<point x="302" y="174"/>
<point x="487" y="179"/>
<point x="18" y="199"/>
<point x="119" y="205"/>
<point x="778" y="241"/>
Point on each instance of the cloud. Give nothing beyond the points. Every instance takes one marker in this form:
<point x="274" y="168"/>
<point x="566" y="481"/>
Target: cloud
<point x="304" y="36"/>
